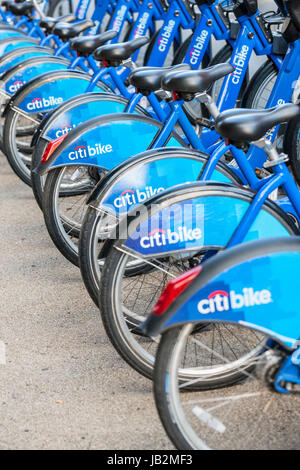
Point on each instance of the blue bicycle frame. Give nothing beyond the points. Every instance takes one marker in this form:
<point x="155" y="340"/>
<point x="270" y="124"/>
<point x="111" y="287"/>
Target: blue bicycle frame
<point x="281" y="93"/>
<point x="174" y="113"/>
<point x="246" y="41"/>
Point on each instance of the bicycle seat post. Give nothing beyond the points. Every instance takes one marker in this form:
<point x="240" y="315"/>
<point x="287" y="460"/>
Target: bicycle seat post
<point x="274" y="158"/>
<point x="207" y="100"/>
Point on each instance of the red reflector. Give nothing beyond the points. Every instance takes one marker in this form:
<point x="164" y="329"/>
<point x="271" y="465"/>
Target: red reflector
<point x="175" y="96"/>
<point x="174" y="288"/>
<point x="51" y="147"/>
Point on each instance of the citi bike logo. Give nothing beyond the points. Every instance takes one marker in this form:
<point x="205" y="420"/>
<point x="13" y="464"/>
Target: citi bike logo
<point x="159" y="237"/>
<point x="83" y="8"/>
<point x="140" y="29"/>
<point x="64" y="130"/>
<point x="119" y="18"/>
<point x="166" y="34"/>
<point x="196" y="51"/>
<point x="15" y="86"/>
<point x="269" y="135"/>
<point x="90" y="151"/>
<point x="129" y="197"/>
<point x="239" y="61"/>
<point x="39" y="103"/>
<point x="221" y="301"/>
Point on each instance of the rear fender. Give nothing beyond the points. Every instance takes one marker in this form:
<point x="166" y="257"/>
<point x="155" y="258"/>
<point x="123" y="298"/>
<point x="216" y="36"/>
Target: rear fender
<point x="252" y="284"/>
<point x="44" y="92"/>
<point x="78" y="109"/>
<point x="107" y="141"/>
<point x="149" y="173"/>
<point x="22" y="73"/>
<point x="18" y="55"/>
<point x="197" y="217"/>
<point x="10" y="43"/>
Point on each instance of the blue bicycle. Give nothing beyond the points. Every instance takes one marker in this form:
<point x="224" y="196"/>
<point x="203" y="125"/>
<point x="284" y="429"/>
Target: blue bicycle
<point x="245" y="294"/>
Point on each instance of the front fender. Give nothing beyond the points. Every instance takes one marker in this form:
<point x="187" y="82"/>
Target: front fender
<point x="252" y="284"/>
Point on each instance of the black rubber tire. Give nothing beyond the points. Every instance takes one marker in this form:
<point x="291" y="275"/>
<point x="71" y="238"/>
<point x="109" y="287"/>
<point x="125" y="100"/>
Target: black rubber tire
<point x="7" y="149"/>
<point x="51" y="221"/>
<point x="55" y="7"/>
<point x="160" y="377"/>
<point x="111" y="265"/>
<point x="292" y="146"/>
<point x="89" y="225"/>
<point x="256" y="82"/>
<point x="159" y="389"/>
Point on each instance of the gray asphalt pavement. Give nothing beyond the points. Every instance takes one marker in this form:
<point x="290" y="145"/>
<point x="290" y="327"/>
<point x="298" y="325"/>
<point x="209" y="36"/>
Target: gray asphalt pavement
<point x="63" y="385"/>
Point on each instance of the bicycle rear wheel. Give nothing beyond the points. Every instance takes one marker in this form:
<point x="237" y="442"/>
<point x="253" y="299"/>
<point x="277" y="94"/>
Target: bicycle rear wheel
<point x="247" y="416"/>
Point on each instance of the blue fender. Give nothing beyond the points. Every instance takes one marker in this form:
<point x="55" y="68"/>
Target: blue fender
<point x="50" y="89"/>
<point x="28" y="69"/>
<point x="20" y="54"/>
<point x="149" y="173"/>
<point x="80" y="109"/>
<point x="254" y="285"/>
<point x="198" y="217"/>
<point x="107" y="141"/>
<point x="6" y="33"/>
<point x="11" y="43"/>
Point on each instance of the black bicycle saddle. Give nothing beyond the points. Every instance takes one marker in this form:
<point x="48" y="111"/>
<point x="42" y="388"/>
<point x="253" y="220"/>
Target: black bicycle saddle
<point x="249" y="125"/>
<point x="187" y="83"/>
<point x="66" y="31"/>
<point x="48" y="22"/>
<point x="86" y="45"/>
<point x="114" y="54"/>
<point x="19" y="9"/>
<point x="147" y="79"/>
